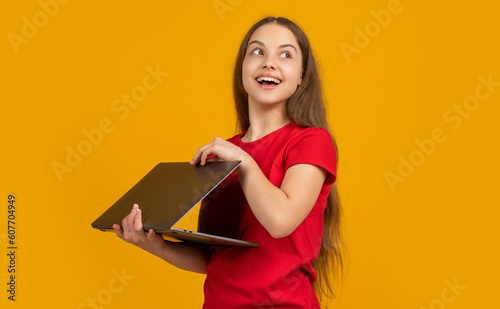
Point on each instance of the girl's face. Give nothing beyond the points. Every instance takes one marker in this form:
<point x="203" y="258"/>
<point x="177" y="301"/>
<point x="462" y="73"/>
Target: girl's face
<point x="272" y="67"/>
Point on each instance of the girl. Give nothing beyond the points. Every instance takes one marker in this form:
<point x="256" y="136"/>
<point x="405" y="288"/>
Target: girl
<point x="283" y="195"/>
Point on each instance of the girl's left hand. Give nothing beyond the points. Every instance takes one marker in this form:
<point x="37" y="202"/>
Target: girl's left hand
<point x="222" y="149"/>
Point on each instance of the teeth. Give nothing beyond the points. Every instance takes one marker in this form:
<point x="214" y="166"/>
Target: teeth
<point x="268" y="79"/>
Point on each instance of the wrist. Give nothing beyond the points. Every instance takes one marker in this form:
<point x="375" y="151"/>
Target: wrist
<point x="247" y="164"/>
<point x="245" y="159"/>
<point x="157" y="247"/>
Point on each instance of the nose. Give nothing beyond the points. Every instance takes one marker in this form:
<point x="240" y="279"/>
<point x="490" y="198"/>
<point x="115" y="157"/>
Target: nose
<point x="269" y="63"/>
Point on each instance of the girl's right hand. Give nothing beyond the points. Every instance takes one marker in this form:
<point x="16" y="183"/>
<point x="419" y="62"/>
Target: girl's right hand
<point x="132" y="232"/>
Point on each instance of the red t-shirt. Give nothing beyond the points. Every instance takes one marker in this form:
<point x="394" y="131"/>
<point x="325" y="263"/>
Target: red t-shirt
<point x="277" y="273"/>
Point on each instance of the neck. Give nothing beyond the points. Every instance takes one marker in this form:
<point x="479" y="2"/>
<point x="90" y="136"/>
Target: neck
<point x="265" y="119"/>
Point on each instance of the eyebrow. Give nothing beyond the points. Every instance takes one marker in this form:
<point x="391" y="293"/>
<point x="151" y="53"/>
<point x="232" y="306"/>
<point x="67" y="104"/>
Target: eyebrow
<point x="281" y="46"/>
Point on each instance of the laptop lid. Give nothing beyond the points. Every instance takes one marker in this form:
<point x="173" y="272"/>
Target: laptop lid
<point x="166" y="194"/>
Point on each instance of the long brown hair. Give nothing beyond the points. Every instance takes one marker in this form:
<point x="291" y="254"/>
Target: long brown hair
<point x="306" y="108"/>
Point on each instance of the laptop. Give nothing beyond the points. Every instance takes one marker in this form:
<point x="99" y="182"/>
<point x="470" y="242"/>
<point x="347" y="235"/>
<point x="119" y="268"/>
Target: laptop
<point x="166" y="194"/>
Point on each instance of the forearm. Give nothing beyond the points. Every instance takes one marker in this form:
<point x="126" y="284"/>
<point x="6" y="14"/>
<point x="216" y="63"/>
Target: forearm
<point x="187" y="256"/>
<point x="268" y="202"/>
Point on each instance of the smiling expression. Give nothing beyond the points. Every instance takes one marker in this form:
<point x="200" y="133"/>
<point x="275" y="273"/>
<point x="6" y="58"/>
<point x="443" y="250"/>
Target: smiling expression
<point x="272" y="66"/>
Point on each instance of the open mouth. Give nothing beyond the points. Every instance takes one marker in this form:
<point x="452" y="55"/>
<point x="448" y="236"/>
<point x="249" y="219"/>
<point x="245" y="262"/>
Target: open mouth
<point x="268" y="81"/>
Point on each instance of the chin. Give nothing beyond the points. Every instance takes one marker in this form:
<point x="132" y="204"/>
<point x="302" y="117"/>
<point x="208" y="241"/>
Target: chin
<point x="266" y="101"/>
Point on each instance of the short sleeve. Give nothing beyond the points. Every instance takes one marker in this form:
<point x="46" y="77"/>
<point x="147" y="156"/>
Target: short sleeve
<point x="313" y="146"/>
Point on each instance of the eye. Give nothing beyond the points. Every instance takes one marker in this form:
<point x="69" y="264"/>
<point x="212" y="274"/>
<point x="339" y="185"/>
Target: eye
<point x="286" y="55"/>
<point x="257" y="51"/>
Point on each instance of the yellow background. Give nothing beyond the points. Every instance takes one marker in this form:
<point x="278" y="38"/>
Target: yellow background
<point x="406" y="242"/>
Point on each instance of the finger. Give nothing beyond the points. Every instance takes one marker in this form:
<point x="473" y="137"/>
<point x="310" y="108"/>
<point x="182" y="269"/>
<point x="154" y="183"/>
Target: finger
<point x="200" y="152"/>
<point x="125" y="227"/>
<point x="118" y="230"/>
<point x="197" y="155"/>
<point x="138" y="221"/>
<point x="127" y="223"/>
<point x="214" y="159"/>
<point x="195" y="159"/>
<point x="205" y="154"/>
<point x="151" y="234"/>
<point x="131" y="216"/>
<point x="202" y="158"/>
